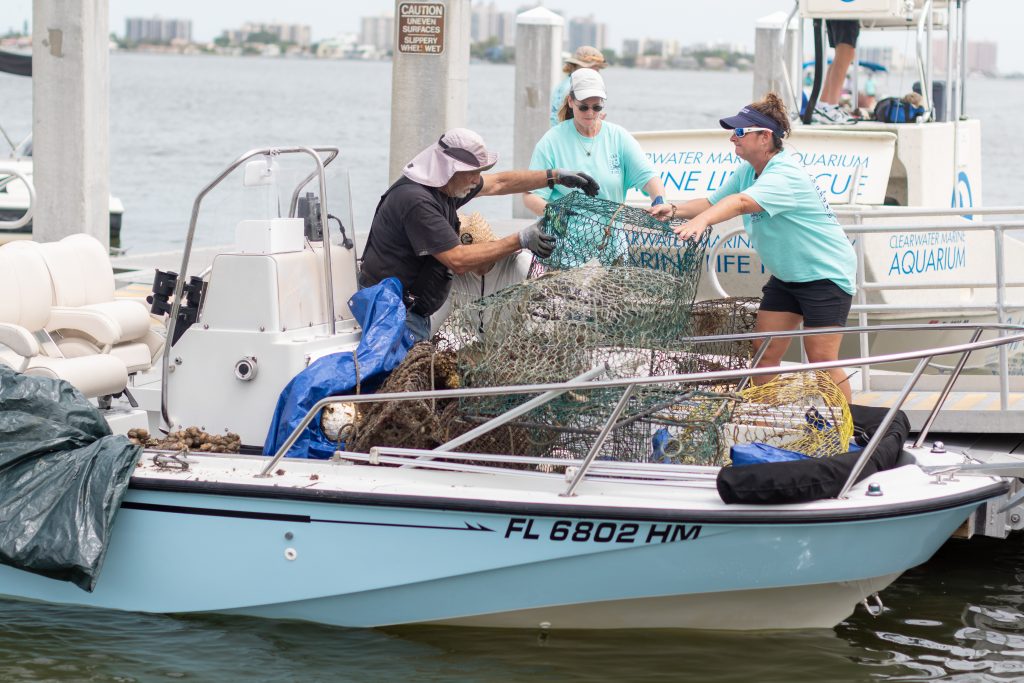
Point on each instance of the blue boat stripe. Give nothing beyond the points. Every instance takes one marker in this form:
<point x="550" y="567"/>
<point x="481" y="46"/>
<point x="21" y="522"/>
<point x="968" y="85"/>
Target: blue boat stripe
<point x="275" y="517"/>
<point x="215" y="512"/>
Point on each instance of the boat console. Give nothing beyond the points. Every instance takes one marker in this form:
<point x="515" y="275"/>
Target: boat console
<point x="273" y="304"/>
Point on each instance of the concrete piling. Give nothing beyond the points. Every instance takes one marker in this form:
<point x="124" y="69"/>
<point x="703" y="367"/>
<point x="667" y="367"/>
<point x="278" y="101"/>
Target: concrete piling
<point x="538" y="63"/>
<point x="429" y="75"/>
<point x="777" y="58"/>
<point x="71" y="118"/>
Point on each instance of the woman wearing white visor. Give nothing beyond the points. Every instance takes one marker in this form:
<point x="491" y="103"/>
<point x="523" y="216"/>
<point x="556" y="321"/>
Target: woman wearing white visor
<point x="793" y="229"/>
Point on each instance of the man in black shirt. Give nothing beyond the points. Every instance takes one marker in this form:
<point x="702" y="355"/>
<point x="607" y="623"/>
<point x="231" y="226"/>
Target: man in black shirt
<point x="414" y="235"/>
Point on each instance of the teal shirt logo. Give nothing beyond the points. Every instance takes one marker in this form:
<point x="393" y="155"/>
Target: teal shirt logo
<point x="615" y="163"/>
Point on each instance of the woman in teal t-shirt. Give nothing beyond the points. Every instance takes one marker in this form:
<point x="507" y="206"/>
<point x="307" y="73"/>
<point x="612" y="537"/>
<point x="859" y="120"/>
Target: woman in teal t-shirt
<point x="604" y="151"/>
<point x="793" y="229"/>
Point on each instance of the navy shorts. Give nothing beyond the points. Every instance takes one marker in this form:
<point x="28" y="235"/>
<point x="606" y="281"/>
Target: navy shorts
<point x="822" y="303"/>
<point x="842" y="31"/>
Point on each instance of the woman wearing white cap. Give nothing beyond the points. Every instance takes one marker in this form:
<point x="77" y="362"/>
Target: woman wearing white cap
<point x="584" y="140"/>
<point x="414" y="235"/>
<point x="793" y="229"/>
<point x="585" y="56"/>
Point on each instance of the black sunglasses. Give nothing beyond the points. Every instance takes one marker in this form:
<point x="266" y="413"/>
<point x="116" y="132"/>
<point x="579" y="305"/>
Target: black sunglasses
<point x="588" y="107"/>
<point x="459" y="153"/>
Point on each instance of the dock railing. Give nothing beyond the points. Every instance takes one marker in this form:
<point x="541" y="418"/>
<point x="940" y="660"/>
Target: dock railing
<point x="998" y="306"/>
<point x="590" y="381"/>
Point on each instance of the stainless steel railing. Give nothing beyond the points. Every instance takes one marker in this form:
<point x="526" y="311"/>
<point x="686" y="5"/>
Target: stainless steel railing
<point x="629" y="384"/>
<point x="7" y="176"/>
<point x="862" y="309"/>
<point x="321" y="164"/>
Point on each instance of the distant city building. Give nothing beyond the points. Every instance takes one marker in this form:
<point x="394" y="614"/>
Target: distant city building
<point x="888" y="57"/>
<point x="660" y="48"/>
<point x="157" y="30"/>
<point x="487" y="21"/>
<point x="632" y="47"/>
<point x="586" y="31"/>
<point x="297" y="34"/>
<point x="378" y="31"/>
<point x="982" y="56"/>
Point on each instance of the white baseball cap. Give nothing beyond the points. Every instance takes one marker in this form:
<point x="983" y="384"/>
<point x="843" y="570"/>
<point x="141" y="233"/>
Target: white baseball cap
<point x="587" y="83"/>
<point x="459" y="149"/>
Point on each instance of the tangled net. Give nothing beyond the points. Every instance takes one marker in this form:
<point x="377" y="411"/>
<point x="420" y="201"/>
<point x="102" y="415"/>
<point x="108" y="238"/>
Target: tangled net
<point x="592" y="230"/>
<point x="616" y="294"/>
<point x="804" y="412"/>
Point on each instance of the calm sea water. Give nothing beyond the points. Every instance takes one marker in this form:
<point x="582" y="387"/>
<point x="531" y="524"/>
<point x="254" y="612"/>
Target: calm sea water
<point x="177" y="121"/>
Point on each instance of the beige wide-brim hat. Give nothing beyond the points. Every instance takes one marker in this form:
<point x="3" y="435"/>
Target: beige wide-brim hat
<point x="587" y="56"/>
<point x="459" y="149"/>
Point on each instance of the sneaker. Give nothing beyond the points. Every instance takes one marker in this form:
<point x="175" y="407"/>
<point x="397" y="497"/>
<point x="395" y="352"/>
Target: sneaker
<point x="829" y="114"/>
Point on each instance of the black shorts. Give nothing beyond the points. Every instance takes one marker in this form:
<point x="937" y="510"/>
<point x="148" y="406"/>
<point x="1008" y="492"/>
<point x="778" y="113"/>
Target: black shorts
<point x="822" y="303"/>
<point x="842" y="31"/>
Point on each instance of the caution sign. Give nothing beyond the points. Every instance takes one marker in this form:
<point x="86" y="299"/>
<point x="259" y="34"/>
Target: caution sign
<point x="421" y="28"/>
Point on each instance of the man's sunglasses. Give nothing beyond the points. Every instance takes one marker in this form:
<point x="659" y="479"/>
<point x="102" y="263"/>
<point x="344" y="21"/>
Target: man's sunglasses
<point x="740" y="132"/>
<point x="588" y="107"/>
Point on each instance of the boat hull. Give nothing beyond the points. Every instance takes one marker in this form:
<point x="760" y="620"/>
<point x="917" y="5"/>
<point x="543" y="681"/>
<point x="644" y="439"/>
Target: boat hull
<point x="367" y="565"/>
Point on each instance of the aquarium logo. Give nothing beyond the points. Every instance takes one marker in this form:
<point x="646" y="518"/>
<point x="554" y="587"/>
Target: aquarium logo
<point x="962" y="195"/>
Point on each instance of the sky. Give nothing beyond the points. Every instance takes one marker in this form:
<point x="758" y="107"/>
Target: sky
<point x="688" y="21"/>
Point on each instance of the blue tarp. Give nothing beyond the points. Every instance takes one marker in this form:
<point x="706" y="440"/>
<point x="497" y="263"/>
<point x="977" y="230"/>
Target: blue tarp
<point x="381" y="313"/>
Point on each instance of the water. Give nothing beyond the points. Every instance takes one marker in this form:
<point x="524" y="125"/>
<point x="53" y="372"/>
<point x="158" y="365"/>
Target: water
<point x="958" y="619"/>
<point x="177" y="121"/>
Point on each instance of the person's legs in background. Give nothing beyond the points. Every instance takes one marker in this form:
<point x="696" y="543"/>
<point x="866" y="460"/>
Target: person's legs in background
<point x="842" y="36"/>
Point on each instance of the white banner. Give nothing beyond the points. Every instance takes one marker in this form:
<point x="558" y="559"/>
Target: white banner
<point x="845" y="164"/>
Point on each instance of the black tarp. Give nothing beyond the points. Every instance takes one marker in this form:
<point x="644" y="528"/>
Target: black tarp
<point x="19" y="65"/>
<point x="801" y="481"/>
<point x="62" y="478"/>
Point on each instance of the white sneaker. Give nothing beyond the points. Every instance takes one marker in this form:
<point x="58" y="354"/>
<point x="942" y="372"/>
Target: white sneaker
<point x="830" y="114"/>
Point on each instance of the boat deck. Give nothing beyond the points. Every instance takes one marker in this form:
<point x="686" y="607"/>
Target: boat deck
<point x="975" y="413"/>
<point x="973" y="416"/>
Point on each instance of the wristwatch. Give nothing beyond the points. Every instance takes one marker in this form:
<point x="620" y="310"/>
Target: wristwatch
<point x="658" y="200"/>
<point x="551" y="179"/>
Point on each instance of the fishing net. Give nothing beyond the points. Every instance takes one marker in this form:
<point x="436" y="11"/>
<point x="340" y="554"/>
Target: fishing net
<point x="804" y="412"/>
<point x="616" y="295"/>
<point x="592" y="230"/>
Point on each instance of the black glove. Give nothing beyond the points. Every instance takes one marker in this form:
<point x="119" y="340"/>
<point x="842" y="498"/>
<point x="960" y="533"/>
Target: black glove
<point x="534" y="239"/>
<point x="578" y="180"/>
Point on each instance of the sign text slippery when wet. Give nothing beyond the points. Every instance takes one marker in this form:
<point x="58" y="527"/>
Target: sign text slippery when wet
<point x="421" y="28"/>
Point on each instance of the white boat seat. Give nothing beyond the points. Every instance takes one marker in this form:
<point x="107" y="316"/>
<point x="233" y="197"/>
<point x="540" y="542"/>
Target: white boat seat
<point x="25" y="310"/>
<point x="85" y="317"/>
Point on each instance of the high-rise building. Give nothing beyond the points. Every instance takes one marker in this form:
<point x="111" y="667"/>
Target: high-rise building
<point x="298" y="34"/>
<point x="884" y="56"/>
<point x="586" y="31"/>
<point x="632" y="47"/>
<point x="378" y="31"/>
<point x="487" y="21"/>
<point x="157" y="30"/>
<point x="982" y="56"/>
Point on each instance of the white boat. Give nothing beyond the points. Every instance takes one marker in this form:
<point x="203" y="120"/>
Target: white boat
<point x="17" y="194"/>
<point x="908" y="194"/>
<point x="410" y="536"/>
